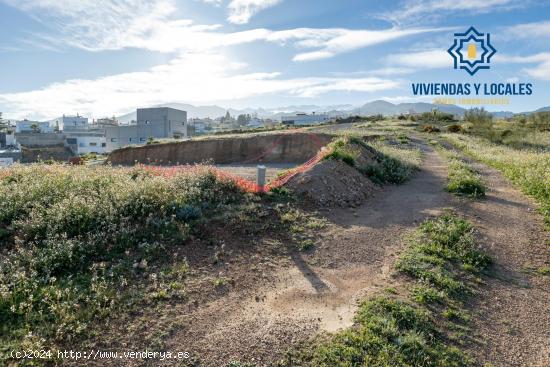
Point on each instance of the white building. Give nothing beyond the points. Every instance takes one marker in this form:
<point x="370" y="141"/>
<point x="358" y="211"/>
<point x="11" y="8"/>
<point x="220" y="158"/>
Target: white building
<point x="73" y="123"/>
<point x="82" y="143"/>
<point x="27" y="126"/>
<point x="10" y="149"/>
<point x="10" y="141"/>
<point x="304" y="119"/>
<point x="82" y="137"/>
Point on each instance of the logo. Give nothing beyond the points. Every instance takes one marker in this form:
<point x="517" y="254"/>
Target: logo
<point x="472" y="50"/>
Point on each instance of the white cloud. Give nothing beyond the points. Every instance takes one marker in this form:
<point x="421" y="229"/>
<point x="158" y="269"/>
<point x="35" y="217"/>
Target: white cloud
<point x="540" y="71"/>
<point x="100" y="24"/>
<point x="438" y="58"/>
<point x="390" y="70"/>
<point x="97" y="25"/>
<point x="212" y="2"/>
<point x="193" y="78"/>
<point x="531" y="31"/>
<point x="416" y="9"/>
<point x="331" y="42"/>
<point x="325" y="85"/>
<point x="240" y="11"/>
<point x="428" y="59"/>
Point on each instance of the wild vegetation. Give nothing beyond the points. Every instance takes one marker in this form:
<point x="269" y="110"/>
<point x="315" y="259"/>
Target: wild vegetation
<point x="527" y="168"/>
<point x="389" y="163"/>
<point x="79" y="243"/>
<point x="463" y="179"/>
<point x="445" y="263"/>
<point x="521" y="132"/>
<point x="519" y="147"/>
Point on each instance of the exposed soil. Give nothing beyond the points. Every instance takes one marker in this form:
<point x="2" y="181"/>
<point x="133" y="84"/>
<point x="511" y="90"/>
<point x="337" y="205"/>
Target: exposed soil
<point x="270" y="147"/>
<point x="319" y="291"/>
<point x="511" y="315"/>
<point x="332" y="183"/>
<point x="56" y="153"/>
<point x="279" y="297"/>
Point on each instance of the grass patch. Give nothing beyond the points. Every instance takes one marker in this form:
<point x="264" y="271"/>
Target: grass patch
<point x="342" y="150"/>
<point x="445" y="256"/>
<point x="388" y="332"/>
<point x="397" y="333"/>
<point x="528" y="169"/>
<point x="394" y="165"/>
<point x="301" y="225"/>
<point x="462" y="178"/>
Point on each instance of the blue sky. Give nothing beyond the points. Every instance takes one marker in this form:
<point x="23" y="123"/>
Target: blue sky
<point x="107" y="57"/>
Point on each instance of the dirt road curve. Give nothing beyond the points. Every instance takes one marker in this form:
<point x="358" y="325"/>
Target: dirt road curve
<point x="305" y="295"/>
<point x="320" y="291"/>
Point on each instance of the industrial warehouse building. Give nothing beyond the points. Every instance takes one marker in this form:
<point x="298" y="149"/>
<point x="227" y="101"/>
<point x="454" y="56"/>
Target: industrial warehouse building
<point x="156" y="123"/>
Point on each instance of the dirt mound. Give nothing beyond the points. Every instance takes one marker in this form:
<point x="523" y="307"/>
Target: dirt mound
<point x="333" y="183"/>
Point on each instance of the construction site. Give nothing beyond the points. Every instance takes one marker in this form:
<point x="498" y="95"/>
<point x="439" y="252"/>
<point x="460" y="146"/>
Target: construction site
<point x="286" y="248"/>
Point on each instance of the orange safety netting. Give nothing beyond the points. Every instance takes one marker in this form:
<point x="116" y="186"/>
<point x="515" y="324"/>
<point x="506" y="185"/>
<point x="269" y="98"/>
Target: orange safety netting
<point x="247" y="185"/>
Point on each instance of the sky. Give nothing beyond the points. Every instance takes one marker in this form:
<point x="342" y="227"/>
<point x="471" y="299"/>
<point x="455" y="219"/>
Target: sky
<point x="107" y="57"/>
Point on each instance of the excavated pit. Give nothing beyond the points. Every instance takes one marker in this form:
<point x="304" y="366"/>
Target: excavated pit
<point x="267" y="148"/>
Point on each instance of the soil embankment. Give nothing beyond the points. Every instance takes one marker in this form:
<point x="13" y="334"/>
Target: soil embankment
<point x="260" y="148"/>
<point x="36" y="154"/>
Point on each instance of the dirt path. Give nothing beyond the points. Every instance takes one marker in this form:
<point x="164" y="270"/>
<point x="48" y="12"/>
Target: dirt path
<point x="512" y="314"/>
<point x="318" y="292"/>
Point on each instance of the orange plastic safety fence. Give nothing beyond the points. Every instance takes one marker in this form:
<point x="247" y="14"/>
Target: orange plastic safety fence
<point x="246" y="185"/>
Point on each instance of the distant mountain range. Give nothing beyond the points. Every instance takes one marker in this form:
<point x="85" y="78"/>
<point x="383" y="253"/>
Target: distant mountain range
<point x="217" y="111"/>
<point x="371" y="108"/>
<point x="388" y="109"/>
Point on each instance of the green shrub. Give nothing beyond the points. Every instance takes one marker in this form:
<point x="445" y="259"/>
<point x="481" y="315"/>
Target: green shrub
<point x="343" y="151"/>
<point x="462" y="179"/>
<point x="479" y="118"/>
<point x="470" y="186"/>
<point x="436" y="116"/>
<point x="394" y="168"/>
